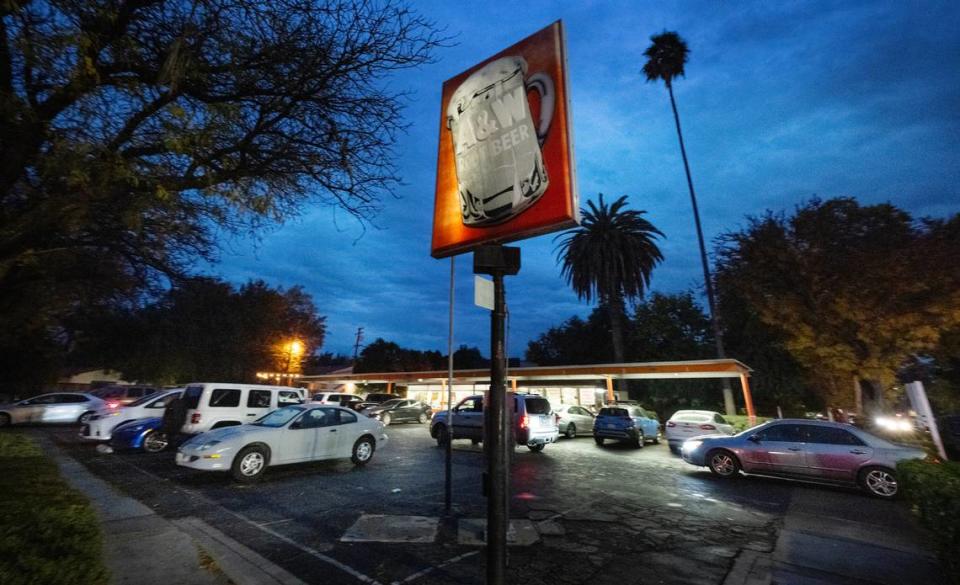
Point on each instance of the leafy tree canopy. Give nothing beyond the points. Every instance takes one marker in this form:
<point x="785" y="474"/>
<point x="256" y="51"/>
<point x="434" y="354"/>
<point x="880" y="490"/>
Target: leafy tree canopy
<point x="853" y="290"/>
<point x="204" y="329"/>
<point x="134" y="133"/>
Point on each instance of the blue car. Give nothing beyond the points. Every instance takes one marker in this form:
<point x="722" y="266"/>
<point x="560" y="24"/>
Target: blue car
<point x="626" y="423"/>
<point x="143" y="433"/>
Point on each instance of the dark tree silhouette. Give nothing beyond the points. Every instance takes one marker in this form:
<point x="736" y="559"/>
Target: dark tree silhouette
<point x="610" y="258"/>
<point x="666" y="58"/>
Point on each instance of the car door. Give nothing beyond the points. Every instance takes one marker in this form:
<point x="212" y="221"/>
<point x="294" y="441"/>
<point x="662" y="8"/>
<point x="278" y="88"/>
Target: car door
<point x="834" y="453"/>
<point x="348" y="431"/>
<point x="468" y="419"/>
<point x="778" y="448"/>
<point x="31" y="410"/>
<point x="259" y="403"/>
<point x="300" y="438"/>
<point x="60" y="410"/>
<point x="583" y="419"/>
<point x="410" y="410"/>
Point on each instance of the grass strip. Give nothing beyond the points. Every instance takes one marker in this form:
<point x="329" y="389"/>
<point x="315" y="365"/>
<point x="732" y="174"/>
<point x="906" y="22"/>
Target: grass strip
<point x="49" y="533"/>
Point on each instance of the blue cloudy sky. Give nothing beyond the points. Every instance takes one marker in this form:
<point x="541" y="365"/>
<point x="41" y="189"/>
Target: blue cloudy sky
<point x="782" y="101"/>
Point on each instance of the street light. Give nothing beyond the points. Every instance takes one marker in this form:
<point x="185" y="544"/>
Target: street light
<point x="294" y="351"/>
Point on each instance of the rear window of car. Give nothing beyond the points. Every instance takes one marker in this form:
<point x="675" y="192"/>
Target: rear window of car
<point x="621" y="412"/>
<point x="691" y="417"/>
<point x="191" y="396"/>
<point x="537" y="405"/>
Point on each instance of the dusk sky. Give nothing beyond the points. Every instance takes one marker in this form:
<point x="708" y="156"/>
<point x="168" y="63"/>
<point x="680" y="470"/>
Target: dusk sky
<point x="782" y="101"/>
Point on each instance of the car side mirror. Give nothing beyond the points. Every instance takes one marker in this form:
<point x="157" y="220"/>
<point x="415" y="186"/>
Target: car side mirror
<point x="297" y="424"/>
<point x="754" y="438"/>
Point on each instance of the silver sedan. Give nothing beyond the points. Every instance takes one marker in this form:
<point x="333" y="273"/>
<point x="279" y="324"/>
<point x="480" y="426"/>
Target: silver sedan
<point x="805" y="450"/>
<point x="574" y="420"/>
<point x="56" y="407"/>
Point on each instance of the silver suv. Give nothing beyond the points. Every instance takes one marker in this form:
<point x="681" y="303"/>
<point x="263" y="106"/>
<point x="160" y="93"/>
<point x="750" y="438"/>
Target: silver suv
<point x="534" y="422"/>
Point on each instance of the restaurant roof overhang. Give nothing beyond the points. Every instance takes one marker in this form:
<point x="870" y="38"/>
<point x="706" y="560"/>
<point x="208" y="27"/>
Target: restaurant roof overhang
<point x="719" y="368"/>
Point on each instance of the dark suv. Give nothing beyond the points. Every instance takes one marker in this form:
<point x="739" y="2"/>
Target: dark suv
<point x="535" y="424"/>
<point x="626" y="422"/>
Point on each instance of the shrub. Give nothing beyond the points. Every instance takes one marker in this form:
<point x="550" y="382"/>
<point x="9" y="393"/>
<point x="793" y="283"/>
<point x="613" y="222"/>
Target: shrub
<point x="742" y="422"/>
<point x="49" y="534"/>
<point x="934" y="490"/>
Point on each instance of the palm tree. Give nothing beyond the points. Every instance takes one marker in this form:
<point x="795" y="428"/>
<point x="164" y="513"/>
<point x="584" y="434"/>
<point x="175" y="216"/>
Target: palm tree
<point x="610" y="258"/>
<point x="665" y="60"/>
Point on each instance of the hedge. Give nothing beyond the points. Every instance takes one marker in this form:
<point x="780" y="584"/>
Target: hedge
<point x="49" y="534"/>
<point x="742" y="422"/>
<point x="934" y="491"/>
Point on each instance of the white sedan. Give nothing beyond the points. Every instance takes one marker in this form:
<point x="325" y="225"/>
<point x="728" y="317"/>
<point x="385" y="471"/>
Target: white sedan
<point x="101" y="423"/>
<point x="292" y="434"/>
<point x="57" y="407"/>
<point x="685" y="424"/>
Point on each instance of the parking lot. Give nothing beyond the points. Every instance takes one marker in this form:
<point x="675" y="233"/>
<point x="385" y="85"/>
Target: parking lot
<point x="600" y="515"/>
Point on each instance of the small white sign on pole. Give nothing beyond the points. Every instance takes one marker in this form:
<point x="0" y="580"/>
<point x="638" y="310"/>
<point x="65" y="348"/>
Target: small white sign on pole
<point x="483" y="292"/>
<point x="918" y="399"/>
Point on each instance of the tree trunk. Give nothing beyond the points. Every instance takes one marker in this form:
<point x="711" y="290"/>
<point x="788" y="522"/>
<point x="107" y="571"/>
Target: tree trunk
<point x="615" y="312"/>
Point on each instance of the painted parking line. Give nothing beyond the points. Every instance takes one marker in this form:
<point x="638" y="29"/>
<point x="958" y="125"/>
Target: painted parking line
<point x="442" y="565"/>
<point x="310" y="551"/>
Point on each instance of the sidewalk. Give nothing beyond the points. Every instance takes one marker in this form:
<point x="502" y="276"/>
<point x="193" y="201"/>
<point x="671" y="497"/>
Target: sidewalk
<point x="143" y="548"/>
<point x="824" y="541"/>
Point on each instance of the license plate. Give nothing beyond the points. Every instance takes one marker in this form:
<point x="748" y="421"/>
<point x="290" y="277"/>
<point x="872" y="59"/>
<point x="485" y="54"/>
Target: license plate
<point x="611" y="426"/>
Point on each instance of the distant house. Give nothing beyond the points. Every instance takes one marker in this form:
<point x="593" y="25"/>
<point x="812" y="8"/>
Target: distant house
<point x="84" y="380"/>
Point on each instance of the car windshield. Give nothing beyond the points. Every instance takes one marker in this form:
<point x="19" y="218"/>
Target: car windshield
<point x="391" y="403"/>
<point x="279" y="417"/>
<point x="145" y="399"/>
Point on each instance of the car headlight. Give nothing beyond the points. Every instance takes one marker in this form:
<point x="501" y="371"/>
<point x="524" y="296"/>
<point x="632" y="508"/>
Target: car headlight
<point x="691" y="445"/>
<point x="209" y="445"/>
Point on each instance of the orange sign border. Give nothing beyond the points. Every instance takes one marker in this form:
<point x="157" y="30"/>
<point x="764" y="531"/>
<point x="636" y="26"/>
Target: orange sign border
<point x="558" y="208"/>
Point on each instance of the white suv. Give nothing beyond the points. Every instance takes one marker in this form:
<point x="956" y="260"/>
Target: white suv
<point x="212" y="405"/>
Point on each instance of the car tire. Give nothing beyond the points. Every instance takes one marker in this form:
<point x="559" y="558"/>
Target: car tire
<point x="640" y="441"/>
<point x="442" y="436"/>
<point x="879" y="482"/>
<point x="656" y="440"/>
<point x="675" y="449"/>
<point x="155" y="441"/>
<point x="537" y="448"/>
<point x="4" y="419"/>
<point x="363" y="450"/>
<point x="723" y="463"/>
<point x="422" y="418"/>
<point x="571" y="431"/>
<point x="385" y="419"/>
<point x="249" y="464"/>
<point x="85" y="417"/>
<point x="598" y="441"/>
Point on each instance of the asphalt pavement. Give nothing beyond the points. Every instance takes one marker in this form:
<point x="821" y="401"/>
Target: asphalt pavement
<point x="581" y="514"/>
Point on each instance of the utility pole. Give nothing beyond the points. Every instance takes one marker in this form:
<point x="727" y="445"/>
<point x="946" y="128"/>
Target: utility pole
<point x="356" y="346"/>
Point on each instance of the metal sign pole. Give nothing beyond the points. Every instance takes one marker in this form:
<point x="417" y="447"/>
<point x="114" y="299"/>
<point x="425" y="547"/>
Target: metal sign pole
<point x="497" y="261"/>
<point x="448" y="482"/>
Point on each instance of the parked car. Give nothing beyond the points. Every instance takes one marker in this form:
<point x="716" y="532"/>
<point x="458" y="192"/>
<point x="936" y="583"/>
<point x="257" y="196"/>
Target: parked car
<point x="292" y="434"/>
<point x="123" y="395"/>
<point x="626" y="423"/>
<point x="694" y="423"/>
<point x="806" y="450"/>
<point x="373" y="399"/>
<point x="102" y="423"/>
<point x="337" y="398"/>
<point x="534" y="423"/>
<point x="574" y="419"/>
<point x="399" y="410"/>
<point x="56" y="407"/>
<point x="144" y="433"/>
<point x="213" y="405"/>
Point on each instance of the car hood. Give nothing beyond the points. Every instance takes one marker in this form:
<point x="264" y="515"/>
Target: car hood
<point x="226" y="433"/>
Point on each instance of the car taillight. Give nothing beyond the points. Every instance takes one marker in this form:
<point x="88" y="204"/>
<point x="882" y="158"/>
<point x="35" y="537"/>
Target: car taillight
<point x="524" y="422"/>
<point x="113" y="404"/>
<point x="195" y="418"/>
<point x="556" y="418"/>
<point x="707" y="428"/>
<point x="670" y="423"/>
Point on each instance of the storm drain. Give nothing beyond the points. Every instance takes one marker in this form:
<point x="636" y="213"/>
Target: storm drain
<point x="382" y="528"/>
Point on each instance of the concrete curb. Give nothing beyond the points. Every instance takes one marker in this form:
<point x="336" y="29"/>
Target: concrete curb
<point x="132" y="534"/>
<point x="750" y="568"/>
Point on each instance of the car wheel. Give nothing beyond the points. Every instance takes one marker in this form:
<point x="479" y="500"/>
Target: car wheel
<point x="639" y="441"/>
<point x="4" y="419"/>
<point x="249" y="464"/>
<point x="723" y="463"/>
<point x="422" y="418"/>
<point x="536" y="448"/>
<point x="155" y="441"/>
<point x="571" y="431"/>
<point x="598" y="441"/>
<point x="656" y="440"/>
<point x="363" y="450"/>
<point x="385" y="419"/>
<point x="85" y="417"/>
<point x="675" y="449"/>
<point x="442" y="436"/>
<point x="879" y="482"/>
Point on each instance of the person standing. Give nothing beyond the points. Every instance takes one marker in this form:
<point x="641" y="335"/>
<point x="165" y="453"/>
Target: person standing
<point x="174" y="417"/>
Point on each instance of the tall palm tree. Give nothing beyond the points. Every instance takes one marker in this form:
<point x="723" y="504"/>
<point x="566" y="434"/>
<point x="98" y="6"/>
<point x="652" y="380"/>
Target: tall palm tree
<point x="665" y="60"/>
<point x="610" y="258"/>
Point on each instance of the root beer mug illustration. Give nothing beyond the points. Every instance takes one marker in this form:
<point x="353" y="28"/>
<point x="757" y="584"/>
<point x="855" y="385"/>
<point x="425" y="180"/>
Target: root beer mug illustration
<point x="496" y="145"/>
